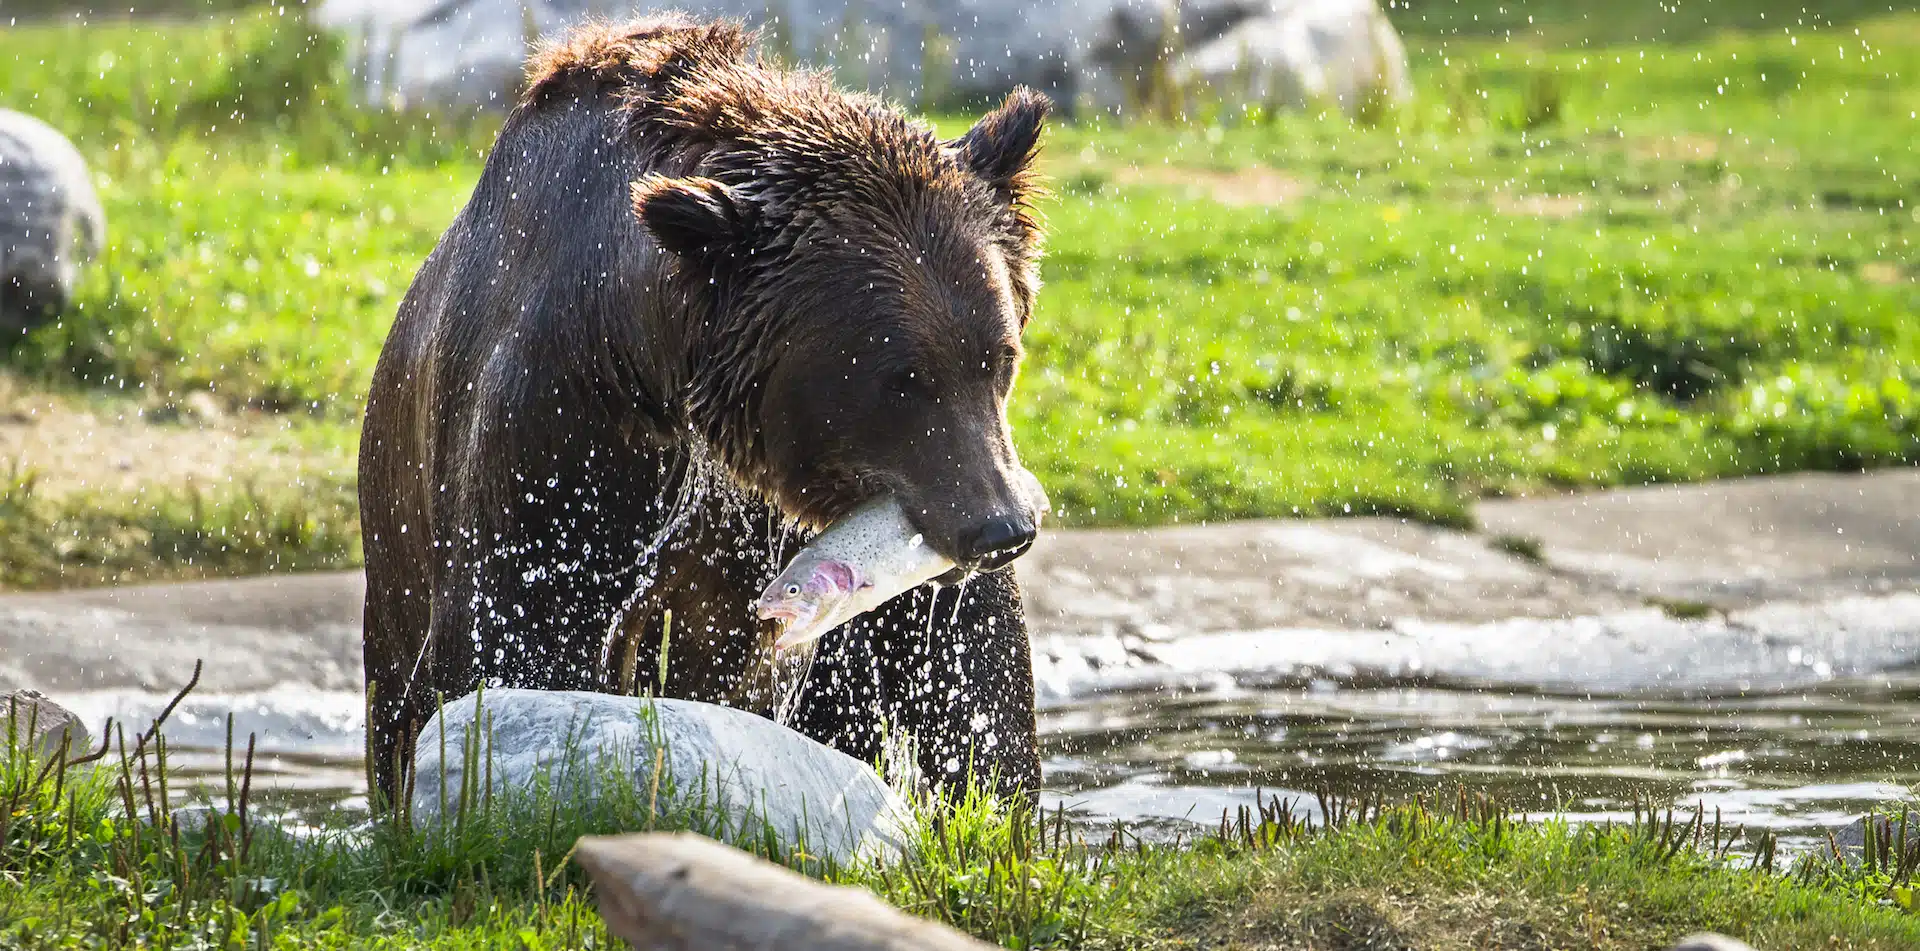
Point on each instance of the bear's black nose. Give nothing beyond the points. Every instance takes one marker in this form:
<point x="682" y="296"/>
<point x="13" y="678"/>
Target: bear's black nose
<point x="996" y="542"/>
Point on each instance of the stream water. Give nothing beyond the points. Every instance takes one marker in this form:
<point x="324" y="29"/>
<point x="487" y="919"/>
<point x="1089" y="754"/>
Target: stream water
<point x="1163" y="752"/>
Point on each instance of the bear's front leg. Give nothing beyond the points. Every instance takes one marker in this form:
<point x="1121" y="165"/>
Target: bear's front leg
<point x="952" y="667"/>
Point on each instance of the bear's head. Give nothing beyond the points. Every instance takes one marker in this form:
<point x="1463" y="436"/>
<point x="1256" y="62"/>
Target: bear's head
<point x="857" y="291"/>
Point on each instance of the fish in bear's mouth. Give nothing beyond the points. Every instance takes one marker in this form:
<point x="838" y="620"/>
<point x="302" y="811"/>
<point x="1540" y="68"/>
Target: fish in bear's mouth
<point x="863" y="560"/>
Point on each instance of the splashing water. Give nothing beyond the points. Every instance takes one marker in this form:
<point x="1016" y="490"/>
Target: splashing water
<point x="959" y="598"/>
<point x="790" y="670"/>
<point x="695" y="482"/>
<point x="933" y="608"/>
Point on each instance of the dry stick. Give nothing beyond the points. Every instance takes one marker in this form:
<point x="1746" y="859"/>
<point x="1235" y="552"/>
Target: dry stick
<point x="673" y="891"/>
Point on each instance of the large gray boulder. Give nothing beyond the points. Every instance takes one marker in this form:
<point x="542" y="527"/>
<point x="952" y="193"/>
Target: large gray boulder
<point x="50" y="223"/>
<point x="1297" y="54"/>
<point x="754" y="772"/>
<point x="1091" y="53"/>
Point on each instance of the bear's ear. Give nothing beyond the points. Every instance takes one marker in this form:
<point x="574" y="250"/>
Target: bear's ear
<point x="1001" y="147"/>
<point x="691" y="217"/>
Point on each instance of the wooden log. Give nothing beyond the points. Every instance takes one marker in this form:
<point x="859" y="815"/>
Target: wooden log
<point x="672" y="891"/>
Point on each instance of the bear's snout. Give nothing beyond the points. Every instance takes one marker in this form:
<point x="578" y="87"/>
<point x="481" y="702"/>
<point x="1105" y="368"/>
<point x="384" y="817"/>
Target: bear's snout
<point x="996" y="542"/>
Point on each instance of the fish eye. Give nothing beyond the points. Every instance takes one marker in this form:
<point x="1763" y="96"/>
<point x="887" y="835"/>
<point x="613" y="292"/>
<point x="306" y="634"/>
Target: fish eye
<point x="793" y="590"/>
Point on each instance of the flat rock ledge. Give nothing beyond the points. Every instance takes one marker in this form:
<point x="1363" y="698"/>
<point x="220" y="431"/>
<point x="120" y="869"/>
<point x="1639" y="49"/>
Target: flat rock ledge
<point x="740" y="775"/>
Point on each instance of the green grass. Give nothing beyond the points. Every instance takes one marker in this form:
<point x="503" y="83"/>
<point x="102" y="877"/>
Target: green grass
<point x="101" y="855"/>
<point x="1593" y="252"/>
<point x="172" y="533"/>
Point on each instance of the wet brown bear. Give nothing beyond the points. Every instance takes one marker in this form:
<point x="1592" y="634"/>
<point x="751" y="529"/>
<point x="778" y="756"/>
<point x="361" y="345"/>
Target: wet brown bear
<point x="696" y="307"/>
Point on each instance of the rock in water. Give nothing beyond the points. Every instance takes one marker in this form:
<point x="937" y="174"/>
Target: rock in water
<point x="30" y="720"/>
<point x="50" y="222"/>
<point x="754" y="772"/>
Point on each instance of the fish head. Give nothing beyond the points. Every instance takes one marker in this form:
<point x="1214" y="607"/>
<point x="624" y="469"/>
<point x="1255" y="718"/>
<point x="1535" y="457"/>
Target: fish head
<point x="811" y="598"/>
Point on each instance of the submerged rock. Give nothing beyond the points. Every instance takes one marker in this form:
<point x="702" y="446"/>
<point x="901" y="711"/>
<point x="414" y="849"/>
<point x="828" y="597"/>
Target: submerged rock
<point x="32" y="721"/>
<point x="719" y="762"/>
<point x="50" y="222"/>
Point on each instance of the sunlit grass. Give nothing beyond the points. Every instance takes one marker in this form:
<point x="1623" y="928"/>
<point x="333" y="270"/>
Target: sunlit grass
<point x="76" y="539"/>
<point x="110" y="854"/>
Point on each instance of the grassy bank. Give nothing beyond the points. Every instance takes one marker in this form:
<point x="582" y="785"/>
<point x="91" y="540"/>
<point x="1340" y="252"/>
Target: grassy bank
<point x="1589" y="253"/>
<point x="80" y="539"/>
<point x="95" y="855"/>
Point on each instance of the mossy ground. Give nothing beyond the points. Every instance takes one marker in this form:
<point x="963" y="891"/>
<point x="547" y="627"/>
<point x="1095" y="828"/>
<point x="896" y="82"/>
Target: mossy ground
<point x="1593" y="251"/>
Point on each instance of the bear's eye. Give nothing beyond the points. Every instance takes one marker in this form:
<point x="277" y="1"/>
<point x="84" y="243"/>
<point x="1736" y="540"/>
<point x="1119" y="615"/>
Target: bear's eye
<point x="1004" y="362"/>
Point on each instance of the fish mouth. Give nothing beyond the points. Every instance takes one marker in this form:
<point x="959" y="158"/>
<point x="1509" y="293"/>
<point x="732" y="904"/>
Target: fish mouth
<point x="804" y="625"/>
<point x="788" y="614"/>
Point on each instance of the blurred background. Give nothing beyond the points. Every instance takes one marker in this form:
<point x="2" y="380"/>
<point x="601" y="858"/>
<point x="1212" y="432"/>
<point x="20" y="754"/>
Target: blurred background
<point x="1307" y="258"/>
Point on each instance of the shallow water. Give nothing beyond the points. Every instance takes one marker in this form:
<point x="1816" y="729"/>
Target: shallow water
<point x="1160" y="752"/>
<point x="1796" y="762"/>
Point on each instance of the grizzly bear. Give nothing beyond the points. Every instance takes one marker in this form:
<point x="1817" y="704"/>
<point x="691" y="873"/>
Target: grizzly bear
<point x="697" y="307"/>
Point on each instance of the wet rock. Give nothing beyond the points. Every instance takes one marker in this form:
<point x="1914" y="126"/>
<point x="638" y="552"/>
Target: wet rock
<point x="723" y="761"/>
<point x="29" y="718"/>
<point x="1710" y="942"/>
<point x="50" y="222"/>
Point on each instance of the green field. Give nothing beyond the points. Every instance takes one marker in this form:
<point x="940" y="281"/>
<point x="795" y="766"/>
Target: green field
<point x="1594" y="251"/>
